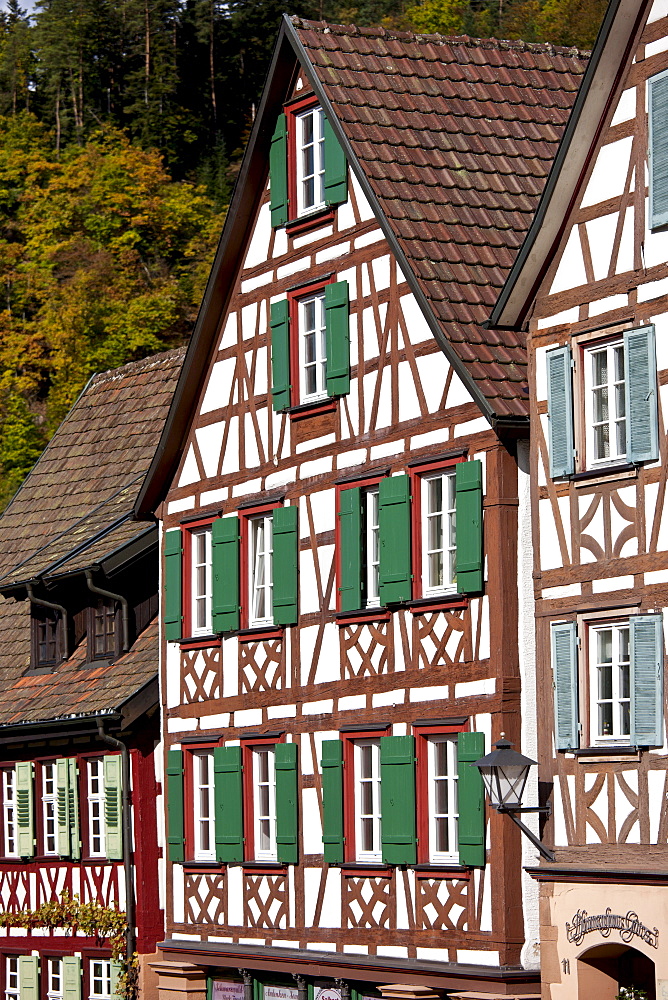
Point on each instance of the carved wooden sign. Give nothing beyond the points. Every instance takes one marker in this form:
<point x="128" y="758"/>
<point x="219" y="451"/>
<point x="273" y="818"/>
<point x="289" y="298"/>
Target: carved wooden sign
<point x="628" y="925"/>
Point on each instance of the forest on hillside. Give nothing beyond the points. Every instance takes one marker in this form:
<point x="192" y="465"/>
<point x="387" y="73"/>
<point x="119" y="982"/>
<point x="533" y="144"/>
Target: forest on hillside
<point x="122" y="126"/>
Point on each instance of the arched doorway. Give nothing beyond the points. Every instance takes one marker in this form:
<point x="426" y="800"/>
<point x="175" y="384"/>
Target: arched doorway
<point x="604" y="970"/>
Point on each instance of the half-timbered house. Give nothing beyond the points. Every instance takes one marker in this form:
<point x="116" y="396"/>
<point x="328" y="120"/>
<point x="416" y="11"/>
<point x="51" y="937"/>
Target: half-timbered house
<point x="342" y="484"/>
<point x="592" y="283"/>
<point x="79" y="713"/>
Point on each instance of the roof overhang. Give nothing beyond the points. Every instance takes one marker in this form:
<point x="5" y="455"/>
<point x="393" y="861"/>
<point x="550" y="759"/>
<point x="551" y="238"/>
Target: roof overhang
<point x="612" y="53"/>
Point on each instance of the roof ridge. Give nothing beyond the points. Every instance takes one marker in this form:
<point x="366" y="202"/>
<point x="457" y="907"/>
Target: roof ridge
<point x="502" y="44"/>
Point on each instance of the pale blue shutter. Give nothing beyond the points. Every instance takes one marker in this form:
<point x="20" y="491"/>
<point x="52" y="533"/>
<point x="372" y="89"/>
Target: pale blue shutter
<point x="646" y="680"/>
<point x="658" y="150"/>
<point x="29" y="977"/>
<point x="25" y="822"/>
<point x="642" y="425"/>
<point x="71" y="977"/>
<point x="73" y="808"/>
<point x="63" y="806"/>
<point x="565" y="677"/>
<point x="560" y="412"/>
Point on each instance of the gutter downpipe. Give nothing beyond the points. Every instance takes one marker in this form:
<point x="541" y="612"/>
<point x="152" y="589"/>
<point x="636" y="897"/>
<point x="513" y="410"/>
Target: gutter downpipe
<point x="127" y="839"/>
<point x="52" y="607"/>
<point x="115" y="597"/>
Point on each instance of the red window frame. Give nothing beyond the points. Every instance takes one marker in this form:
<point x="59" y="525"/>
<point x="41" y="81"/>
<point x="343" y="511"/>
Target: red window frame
<point x="422" y="734"/>
<point x="300" y="223"/>
<point x="190" y="750"/>
<point x="9" y="857"/>
<point x="38" y="806"/>
<point x="375" y="613"/>
<point x="349" y="741"/>
<point x="246" y="515"/>
<point x="294" y="298"/>
<point x="84" y="827"/>
<point x="186" y="572"/>
<point x="248" y="792"/>
<point x="417" y="473"/>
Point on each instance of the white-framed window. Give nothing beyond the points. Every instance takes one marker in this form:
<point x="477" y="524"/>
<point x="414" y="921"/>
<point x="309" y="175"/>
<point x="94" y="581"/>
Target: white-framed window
<point x="12" y="982"/>
<point x="439" y="532"/>
<point x="54" y="980"/>
<point x="260" y="570"/>
<point x="605" y="403"/>
<point x="310" y="140"/>
<point x="368" y="845"/>
<point x="96" y="803"/>
<point x="9" y="812"/>
<point x="203" y="794"/>
<point x="200" y="541"/>
<point x="610" y="682"/>
<point x="312" y="348"/>
<point x="264" y="803"/>
<point x="371" y="547"/>
<point x="100" y="979"/>
<point x="442" y="795"/>
<point x="49" y="808"/>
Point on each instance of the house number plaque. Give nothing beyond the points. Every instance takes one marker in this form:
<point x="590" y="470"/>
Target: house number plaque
<point x="628" y="925"/>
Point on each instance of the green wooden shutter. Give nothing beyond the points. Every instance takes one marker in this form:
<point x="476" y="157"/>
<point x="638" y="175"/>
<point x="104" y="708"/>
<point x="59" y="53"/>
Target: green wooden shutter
<point x="225" y="573"/>
<point x="284" y="565"/>
<point x="642" y="422"/>
<point x="285" y="761"/>
<point x="350" y="539"/>
<point x="25" y="823"/>
<point x="173" y="610"/>
<point x="116" y="968"/>
<point x="471" y="800"/>
<point x="228" y="796"/>
<point x="658" y="150"/>
<point x="336" y="168"/>
<point x="560" y="412"/>
<point x="175" y="840"/>
<point x="397" y="800"/>
<point x="73" y="808"/>
<point x="468" y="513"/>
<point x="646" y="680"/>
<point x="332" y="800"/>
<point x="29" y="977"/>
<point x="113" y="807"/>
<point x="278" y="172"/>
<point x="63" y="806"/>
<point x="71" y="977"/>
<point x="394" y="532"/>
<point x="337" y="332"/>
<point x="280" y="355"/>
<point x="565" y="680"/>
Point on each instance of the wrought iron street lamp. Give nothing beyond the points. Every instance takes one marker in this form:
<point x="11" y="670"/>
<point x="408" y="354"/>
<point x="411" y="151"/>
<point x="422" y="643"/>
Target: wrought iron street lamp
<point x="504" y="773"/>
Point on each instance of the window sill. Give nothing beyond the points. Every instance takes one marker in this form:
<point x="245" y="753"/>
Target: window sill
<point x="307" y="222"/>
<point x="356" y="869"/>
<point x="441" y="871"/>
<point x="601" y="754"/>
<point x="200" y="641"/>
<point x="312" y="409"/>
<point x="265" y="868"/>
<point x="363" y="615"/>
<point x="202" y="867"/>
<point x="591" y="477"/>
<point x="259" y="632"/>
<point x="441" y="603"/>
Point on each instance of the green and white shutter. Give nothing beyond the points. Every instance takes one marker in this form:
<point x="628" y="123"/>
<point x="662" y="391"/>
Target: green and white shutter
<point x="350" y="539"/>
<point x="642" y="422"/>
<point x="468" y="509"/>
<point x="397" y="800"/>
<point x="278" y="173"/>
<point x="565" y="681"/>
<point x="337" y="336"/>
<point x="71" y="977"/>
<point x="287" y="811"/>
<point x="279" y="321"/>
<point x="646" y="653"/>
<point x="172" y="615"/>
<point x="175" y="830"/>
<point x="228" y="804"/>
<point x="471" y="800"/>
<point x="116" y="968"/>
<point x="25" y="820"/>
<point x="331" y="764"/>
<point x="113" y="806"/>
<point x="285" y="561"/>
<point x="394" y="533"/>
<point x="225" y="573"/>
<point x="29" y="977"/>
<point x="658" y="150"/>
<point x="69" y="845"/>
<point x="336" y="168"/>
<point x="560" y="412"/>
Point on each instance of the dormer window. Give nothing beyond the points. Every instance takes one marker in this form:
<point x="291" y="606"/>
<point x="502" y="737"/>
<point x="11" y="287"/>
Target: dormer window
<point x="103" y="629"/>
<point x="45" y="637"/>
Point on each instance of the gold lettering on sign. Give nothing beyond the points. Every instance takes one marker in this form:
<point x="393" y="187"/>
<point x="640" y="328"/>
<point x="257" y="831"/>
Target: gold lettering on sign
<point x="628" y="925"/>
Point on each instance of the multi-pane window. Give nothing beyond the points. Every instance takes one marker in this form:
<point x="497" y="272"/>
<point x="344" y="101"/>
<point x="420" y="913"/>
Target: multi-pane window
<point x="49" y="808"/>
<point x="264" y="803"/>
<point x="610" y="696"/>
<point x="260" y="570"/>
<point x="54" y="973"/>
<point x="12" y="982"/>
<point x="439" y="546"/>
<point x="201" y="581"/>
<point x="310" y="160"/>
<point x="96" y="803"/>
<point x="104" y="628"/>
<point x="203" y="794"/>
<point x="9" y="812"/>
<point x="45" y="632"/>
<point x="371" y="547"/>
<point x="442" y="792"/>
<point x="605" y="402"/>
<point x="312" y="348"/>
<point x="100" y="980"/>
<point x="367" y="800"/>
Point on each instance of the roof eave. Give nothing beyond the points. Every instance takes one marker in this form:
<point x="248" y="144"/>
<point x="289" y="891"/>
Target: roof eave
<point x="610" y="56"/>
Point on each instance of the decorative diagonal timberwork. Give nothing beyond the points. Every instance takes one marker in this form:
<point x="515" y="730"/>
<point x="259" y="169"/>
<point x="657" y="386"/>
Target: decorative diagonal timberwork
<point x="51" y="884"/>
<point x="368" y="901"/>
<point x="266" y="901"/>
<point x="366" y="649"/>
<point x="440" y="637"/>
<point x="204" y="898"/>
<point x="262" y="665"/>
<point x="14" y="890"/>
<point x="100" y="883"/>
<point x="201" y="675"/>
<point x="442" y="904"/>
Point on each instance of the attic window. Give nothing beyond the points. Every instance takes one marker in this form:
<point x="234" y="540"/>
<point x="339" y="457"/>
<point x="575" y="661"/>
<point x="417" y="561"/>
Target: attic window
<point x="310" y="160"/>
<point x="103" y="629"/>
<point x="45" y="637"/>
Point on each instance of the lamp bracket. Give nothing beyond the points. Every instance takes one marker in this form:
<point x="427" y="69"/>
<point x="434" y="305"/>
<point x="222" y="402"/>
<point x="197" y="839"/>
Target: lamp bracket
<point x="544" y="810"/>
<point x="544" y="851"/>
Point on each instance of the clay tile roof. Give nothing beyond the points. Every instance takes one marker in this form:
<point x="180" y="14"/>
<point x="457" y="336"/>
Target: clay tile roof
<point x="74" y="509"/>
<point x="456" y="137"/>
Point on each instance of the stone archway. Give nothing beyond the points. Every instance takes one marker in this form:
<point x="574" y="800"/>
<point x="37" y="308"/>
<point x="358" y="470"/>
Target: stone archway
<point x="603" y="970"/>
